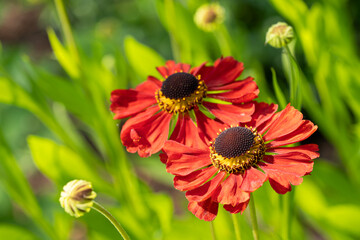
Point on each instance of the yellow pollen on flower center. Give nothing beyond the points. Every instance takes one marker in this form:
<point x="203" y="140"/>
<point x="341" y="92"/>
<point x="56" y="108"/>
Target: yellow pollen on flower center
<point x="245" y="148"/>
<point x="181" y="92"/>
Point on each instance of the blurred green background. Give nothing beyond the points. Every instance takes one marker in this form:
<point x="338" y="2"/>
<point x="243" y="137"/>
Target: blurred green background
<point x="55" y="123"/>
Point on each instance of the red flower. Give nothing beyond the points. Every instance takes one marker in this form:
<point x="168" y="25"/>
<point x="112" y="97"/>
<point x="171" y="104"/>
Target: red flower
<point x="227" y="167"/>
<point x="153" y="104"/>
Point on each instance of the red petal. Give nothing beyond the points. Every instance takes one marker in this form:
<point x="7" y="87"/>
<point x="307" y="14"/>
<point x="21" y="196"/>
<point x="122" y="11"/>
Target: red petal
<point x="206" y="210"/>
<point x="288" y="120"/>
<point x="309" y="149"/>
<point x="233" y="113"/>
<point x="285" y="169"/>
<point x="239" y="91"/>
<point x="194" y="179"/>
<point x="263" y="112"/>
<point x="151" y="85"/>
<point x="203" y="192"/>
<point x="229" y="191"/>
<point x="171" y="67"/>
<point x="182" y="160"/>
<point x="305" y="130"/>
<point x="129" y="102"/>
<point x="281" y="183"/>
<point x="238" y="208"/>
<point x="225" y="70"/>
<point x="187" y="133"/>
<point x="146" y="133"/>
<point x="239" y="84"/>
<point x="163" y="157"/>
<point x="294" y="162"/>
<point x="200" y="69"/>
<point x="252" y="180"/>
<point x="209" y="127"/>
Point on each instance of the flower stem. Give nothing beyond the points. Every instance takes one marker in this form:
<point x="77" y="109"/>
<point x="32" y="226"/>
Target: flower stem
<point x="295" y="83"/>
<point x="221" y="36"/>
<point x="111" y="218"/>
<point x="253" y="218"/>
<point x="236" y="227"/>
<point x="288" y="204"/>
<point x="292" y="78"/>
<point x="212" y="230"/>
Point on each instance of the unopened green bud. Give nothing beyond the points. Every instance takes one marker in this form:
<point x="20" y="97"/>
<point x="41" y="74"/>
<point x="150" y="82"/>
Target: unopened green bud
<point x="209" y="16"/>
<point x="279" y="35"/>
<point x="77" y="197"/>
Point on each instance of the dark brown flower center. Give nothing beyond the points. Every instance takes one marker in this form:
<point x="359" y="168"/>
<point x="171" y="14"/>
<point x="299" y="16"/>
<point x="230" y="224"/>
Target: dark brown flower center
<point x="237" y="149"/>
<point x="181" y="92"/>
<point x="234" y="142"/>
<point x="179" y="85"/>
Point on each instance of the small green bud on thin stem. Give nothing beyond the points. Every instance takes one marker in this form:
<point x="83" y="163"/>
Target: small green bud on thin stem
<point x="77" y="197"/>
<point x="279" y="35"/>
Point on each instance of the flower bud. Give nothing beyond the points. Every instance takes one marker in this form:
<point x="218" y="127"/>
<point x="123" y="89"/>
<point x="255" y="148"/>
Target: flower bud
<point x="209" y="16"/>
<point x="279" y="35"/>
<point x="77" y="197"/>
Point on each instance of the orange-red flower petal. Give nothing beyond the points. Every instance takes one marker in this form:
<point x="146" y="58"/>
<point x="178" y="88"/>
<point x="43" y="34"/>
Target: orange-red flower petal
<point x="286" y="169"/>
<point x="172" y="67"/>
<point x="238" y="208"/>
<point x="205" y="191"/>
<point x="308" y="149"/>
<point x="126" y="103"/>
<point x="232" y="113"/>
<point x="205" y="210"/>
<point x="147" y="132"/>
<point x="252" y="180"/>
<point x="179" y="156"/>
<point x="194" y="179"/>
<point x="229" y="191"/>
<point x="224" y="71"/>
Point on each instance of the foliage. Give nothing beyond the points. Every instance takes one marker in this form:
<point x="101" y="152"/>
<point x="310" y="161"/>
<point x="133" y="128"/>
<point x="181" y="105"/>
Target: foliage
<point x="56" y="125"/>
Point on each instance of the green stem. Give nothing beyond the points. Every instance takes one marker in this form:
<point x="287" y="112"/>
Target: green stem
<point x="236" y="226"/>
<point x="212" y="230"/>
<point x="295" y="99"/>
<point x="253" y="218"/>
<point x="222" y="38"/>
<point x="111" y="218"/>
<point x="288" y="204"/>
<point x="292" y="77"/>
<point x="66" y="29"/>
<point x="295" y="81"/>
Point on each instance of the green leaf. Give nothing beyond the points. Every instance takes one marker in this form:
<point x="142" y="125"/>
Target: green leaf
<point x="14" y="180"/>
<point x="70" y="94"/>
<point x="63" y="55"/>
<point x="317" y="206"/>
<point x="61" y="164"/>
<point x="162" y="206"/>
<point x="344" y="217"/>
<point x="278" y="93"/>
<point x="12" y="93"/>
<point x="19" y="189"/>
<point x="142" y="59"/>
<point x="188" y="45"/>
<point x="294" y="10"/>
<point x="8" y="231"/>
